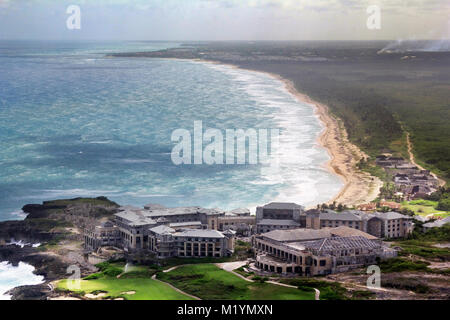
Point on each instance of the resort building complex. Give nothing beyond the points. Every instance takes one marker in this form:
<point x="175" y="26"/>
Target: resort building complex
<point x="285" y="237"/>
<point x="285" y="216"/>
<point x="167" y="232"/>
<point x="317" y="252"/>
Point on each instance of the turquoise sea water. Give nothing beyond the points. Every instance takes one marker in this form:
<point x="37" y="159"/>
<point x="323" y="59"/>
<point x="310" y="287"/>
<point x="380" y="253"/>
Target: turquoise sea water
<point x="76" y="123"/>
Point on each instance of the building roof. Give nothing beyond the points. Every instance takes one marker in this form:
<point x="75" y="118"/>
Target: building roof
<point x="135" y="218"/>
<point x="107" y="224"/>
<point x="247" y="219"/>
<point x="421" y="218"/>
<point x="276" y="222"/>
<point x="184" y="224"/>
<point x="198" y="233"/>
<point x="368" y="206"/>
<point x="229" y="232"/>
<point x="154" y="206"/>
<point x="390" y="215"/>
<point x="162" y="229"/>
<point x="344" y="231"/>
<point x="282" y="206"/>
<point x="343" y="216"/>
<point x="390" y="204"/>
<point x="161" y="212"/>
<point x="296" y="235"/>
<point x="338" y="243"/>
<point x="129" y="208"/>
<point x="437" y="224"/>
<point x="239" y="212"/>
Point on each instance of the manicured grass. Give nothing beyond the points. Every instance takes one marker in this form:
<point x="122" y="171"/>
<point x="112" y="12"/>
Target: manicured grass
<point x="424" y="207"/>
<point x="146" y="289"/>
<point x="137" y="278"/>
<point x="207" y="281"/>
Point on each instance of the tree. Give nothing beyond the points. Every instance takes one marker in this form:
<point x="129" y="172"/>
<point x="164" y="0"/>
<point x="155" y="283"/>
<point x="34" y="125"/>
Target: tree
<point x="444" y="204"/>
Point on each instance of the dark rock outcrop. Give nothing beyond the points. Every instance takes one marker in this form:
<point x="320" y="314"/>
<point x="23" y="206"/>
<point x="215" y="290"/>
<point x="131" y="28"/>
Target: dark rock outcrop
<point x="36" y="292"/>
<point x="54" y="224"/>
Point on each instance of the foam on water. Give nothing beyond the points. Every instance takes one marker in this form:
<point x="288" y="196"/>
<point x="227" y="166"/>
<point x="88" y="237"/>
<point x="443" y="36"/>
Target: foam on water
<point x="301" y="159"/>
<point x="11" y="277"/>
<point x="75" y="123"/>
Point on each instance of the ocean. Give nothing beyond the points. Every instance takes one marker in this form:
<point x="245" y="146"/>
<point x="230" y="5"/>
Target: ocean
<point x="74" y="122"/>
<point x="14" y="276"/>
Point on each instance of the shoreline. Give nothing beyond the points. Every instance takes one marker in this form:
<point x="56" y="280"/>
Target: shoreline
<point x="359" y="187"/>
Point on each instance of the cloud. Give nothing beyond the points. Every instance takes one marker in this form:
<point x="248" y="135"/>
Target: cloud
<point x="305" y="5"/>
<point x="224" y="19"/>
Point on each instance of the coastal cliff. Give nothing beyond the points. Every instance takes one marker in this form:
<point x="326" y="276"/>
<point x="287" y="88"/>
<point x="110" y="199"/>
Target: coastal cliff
<point x="58" y="227"/>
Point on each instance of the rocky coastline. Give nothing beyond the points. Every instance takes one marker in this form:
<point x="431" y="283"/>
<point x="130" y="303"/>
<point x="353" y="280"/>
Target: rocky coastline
<point x="58" y="227"/>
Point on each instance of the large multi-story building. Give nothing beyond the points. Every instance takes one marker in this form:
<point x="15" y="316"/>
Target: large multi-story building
<point x="166" y="242"/>
<point x="351" y="236"/>
<point x="279" y="216"/>
<point x="144" y="229"/>
<point x="106" y="234"/>
<point x="313" y="252"/>
<point x="379" y="224"/>
<point x="285" y="216"/>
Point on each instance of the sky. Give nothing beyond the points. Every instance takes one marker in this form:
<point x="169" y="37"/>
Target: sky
<point x="225" y="19"/>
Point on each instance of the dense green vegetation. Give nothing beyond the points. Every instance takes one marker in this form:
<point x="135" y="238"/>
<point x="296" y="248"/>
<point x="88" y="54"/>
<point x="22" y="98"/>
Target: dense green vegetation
<point x="207" y="281"/>
<point x="400" y="265"/>
<point x="409" y="284"/>
<point x="442" y="196"/>
<point x="423" y="244"/>
<point x="99" y="201"/>
<point x="378" y="97"/>
<point x="136" y="284"/>
<point x="424" y="207"/>
<point x="434" y="235"/>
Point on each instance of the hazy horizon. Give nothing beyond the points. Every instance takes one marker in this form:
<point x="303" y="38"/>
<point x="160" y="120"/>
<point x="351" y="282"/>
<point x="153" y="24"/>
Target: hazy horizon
<point x="225" y="20"/>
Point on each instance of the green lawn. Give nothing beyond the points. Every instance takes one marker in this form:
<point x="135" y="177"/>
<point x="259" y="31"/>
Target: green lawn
<point x="424" y="207"/>
<point x="137" y="278"/>
<point x="207" y="281"/>
<point x="146" y="289"/>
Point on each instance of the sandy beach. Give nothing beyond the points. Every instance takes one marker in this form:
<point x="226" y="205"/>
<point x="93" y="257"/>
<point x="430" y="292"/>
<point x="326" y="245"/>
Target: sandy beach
<point x="359" y="187"/>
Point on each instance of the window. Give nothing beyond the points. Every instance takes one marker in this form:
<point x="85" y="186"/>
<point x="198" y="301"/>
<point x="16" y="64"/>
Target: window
<point x="322" y="263"/>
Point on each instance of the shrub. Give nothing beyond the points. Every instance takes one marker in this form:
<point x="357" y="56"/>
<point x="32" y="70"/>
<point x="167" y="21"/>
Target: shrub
<point x="306" y="289"/>
<point x="93" y="276"/>
<point x="406" y="284"/>
<point x="399" y="265"/>
<point x="112" y="271"/>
